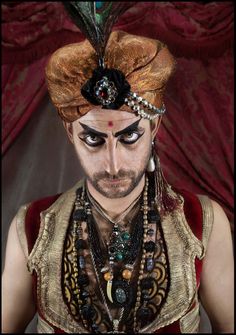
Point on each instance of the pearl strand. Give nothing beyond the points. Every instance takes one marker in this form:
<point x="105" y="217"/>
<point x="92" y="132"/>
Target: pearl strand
<point x="134" y="101"/>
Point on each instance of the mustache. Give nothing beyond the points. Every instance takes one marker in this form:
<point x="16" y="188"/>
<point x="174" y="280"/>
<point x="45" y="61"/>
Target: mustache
<point x="121" y="174"/>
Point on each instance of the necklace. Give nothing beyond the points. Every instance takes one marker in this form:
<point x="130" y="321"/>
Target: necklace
<point x="115" y="322"/>
<point x="105" y="215"/>
<point x="122" y="247"/>
<point x="117" y="291"/>
<point x="146" y="284"/>
<point x="117" y="287"/>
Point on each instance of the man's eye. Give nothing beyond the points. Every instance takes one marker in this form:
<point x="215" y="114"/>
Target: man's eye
<point x="92" y="140"/>
<point x="130" y="138"/>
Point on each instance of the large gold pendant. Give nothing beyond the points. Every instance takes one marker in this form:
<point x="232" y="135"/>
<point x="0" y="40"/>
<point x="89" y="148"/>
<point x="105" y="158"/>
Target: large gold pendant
<point x="109" y="289"/>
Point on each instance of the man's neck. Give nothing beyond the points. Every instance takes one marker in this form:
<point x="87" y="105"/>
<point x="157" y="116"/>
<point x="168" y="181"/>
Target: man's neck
<point x="114" y="207"/>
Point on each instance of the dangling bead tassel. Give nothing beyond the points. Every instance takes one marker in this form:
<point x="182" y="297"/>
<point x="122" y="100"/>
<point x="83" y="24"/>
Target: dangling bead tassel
<point x="166" y="198"/>
<point x="151" y="164"/>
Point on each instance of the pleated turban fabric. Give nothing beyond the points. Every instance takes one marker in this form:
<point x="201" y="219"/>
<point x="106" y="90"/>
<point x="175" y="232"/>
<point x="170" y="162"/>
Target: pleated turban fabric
<point x="146" y="63"/>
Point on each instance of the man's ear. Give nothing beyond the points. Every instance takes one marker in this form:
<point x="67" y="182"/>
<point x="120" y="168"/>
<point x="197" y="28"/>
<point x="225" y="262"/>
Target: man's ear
<point x="69" y="130"/>
<point x="155" y="124"/>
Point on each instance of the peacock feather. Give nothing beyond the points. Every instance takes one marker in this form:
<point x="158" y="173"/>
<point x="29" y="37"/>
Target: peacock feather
<point x="95" y="19"/>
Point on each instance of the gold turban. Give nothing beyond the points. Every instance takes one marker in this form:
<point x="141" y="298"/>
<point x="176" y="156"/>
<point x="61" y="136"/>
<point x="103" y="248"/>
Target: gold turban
<point x="146" y="63"/>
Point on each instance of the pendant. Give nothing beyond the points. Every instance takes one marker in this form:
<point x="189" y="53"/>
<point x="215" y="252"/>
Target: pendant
<point x="115" y="325"/>
<point x="151" y="165"/>
<point x="122" y="293"/>
<point x="109" y="289"/>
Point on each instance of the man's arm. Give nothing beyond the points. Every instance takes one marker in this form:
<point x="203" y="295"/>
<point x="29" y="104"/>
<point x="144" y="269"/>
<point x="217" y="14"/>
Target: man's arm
<point x="18" y="306"/>
<point x="217" y="279"/>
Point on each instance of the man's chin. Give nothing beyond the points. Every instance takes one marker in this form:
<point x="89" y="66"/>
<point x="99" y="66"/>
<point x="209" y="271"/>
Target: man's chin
<point x="114" y="191"/>
<point x="119" y="187"/>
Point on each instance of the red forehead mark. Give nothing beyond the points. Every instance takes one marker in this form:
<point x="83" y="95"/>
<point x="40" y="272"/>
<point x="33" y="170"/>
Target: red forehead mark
<point x="110" y="124"/>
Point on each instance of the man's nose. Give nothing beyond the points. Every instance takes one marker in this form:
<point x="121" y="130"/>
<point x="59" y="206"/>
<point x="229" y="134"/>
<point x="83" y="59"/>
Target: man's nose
<point x="112" y="159"/>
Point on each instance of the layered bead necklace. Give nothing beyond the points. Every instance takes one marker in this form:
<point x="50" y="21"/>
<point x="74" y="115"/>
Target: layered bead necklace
<point x="116" y="265"/>
<point x="122" y="247"/>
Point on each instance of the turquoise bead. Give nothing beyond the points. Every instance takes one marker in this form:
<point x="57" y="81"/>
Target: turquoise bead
<point x="119" y="256"/>
<point x="99" y="4"/>
<point x="126" y="236"/>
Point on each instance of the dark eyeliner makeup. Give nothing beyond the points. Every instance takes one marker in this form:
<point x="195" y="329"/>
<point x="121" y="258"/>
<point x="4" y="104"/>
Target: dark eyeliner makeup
<point x="85" y="140"/>
<point x="127" y="142"/>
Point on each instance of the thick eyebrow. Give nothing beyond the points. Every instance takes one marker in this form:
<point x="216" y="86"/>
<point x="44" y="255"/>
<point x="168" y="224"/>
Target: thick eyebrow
<point x="93" y="131"/>
<point x="130" y="128"/>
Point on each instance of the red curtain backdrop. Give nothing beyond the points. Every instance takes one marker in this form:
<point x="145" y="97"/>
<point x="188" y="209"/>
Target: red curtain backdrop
<point x="195" y="141"/>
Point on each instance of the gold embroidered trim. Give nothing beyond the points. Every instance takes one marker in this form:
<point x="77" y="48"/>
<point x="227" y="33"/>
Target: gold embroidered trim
<point x="43" y="327"/>
<point x="207" y="221"/>
<point x="46" y="259"/>
<point x="190" y="322"/>
<point x="182" y="249"/>
<point x="20" y="228"/>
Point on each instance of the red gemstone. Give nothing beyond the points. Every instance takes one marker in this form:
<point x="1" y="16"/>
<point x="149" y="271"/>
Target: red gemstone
<point x="104" y="94"/>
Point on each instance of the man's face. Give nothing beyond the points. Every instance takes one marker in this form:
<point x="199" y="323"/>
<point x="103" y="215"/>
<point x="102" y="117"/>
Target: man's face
<point x="114" y="148"/>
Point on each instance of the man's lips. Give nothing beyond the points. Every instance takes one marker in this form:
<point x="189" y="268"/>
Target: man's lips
<point x="114" y="181"/>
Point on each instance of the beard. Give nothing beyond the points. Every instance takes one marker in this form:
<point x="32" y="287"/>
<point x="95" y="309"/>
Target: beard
<point x="106" y="184"/>
<point x="121" y="184"/>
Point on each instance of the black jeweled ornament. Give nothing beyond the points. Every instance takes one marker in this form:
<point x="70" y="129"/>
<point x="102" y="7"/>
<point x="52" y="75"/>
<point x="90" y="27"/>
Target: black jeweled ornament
<point x="83" y="280"/>
<point x="145" y="295"/>
<point x="149" y="246"/>
<point x="84" y="295"/>
<point x="106" y="87"/>
<point x="122" y="293"/>
<point x="147" y="283"/>
<point x="80" y="244"/>
<point x="119" y="245"/>
<point x="88" y="312"/>
<point x="79" y="215"/>
<point x="144" y="314"/>
<point x="153" y="216"/>
<point x="105" y="91"/>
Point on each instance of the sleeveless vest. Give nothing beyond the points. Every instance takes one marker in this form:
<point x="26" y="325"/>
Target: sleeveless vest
<point x="42" y="228"/>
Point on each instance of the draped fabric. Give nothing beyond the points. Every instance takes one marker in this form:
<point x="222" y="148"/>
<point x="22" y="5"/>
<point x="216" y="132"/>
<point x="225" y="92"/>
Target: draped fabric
<point x="195" y="141"/>
<point x="30" y="32"/>
<point x="23" y="89"/>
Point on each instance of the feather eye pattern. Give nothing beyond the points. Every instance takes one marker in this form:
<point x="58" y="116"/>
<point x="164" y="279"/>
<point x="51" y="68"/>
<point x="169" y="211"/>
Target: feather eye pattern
<point x="95" y="19"/>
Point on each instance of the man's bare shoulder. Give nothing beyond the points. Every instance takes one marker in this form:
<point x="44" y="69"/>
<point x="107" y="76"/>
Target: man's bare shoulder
<point x="217" y="278"/>
<point x="219" y="248"/>
<point x="221" y="227"/>
<point x="16" y="319"/>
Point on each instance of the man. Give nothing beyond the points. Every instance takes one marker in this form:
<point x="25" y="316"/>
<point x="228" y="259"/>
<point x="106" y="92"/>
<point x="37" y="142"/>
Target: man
<point x="121" y="251"/>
